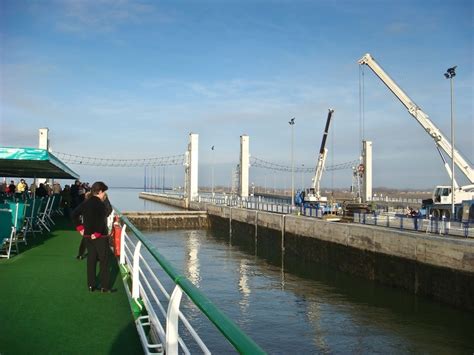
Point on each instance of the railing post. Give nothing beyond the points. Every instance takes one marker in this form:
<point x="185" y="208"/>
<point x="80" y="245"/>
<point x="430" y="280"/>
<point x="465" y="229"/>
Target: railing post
<point x="172" y="345"/>
<point x="230" y="221"/>
<point x="466" y="229"/>
<point x="446" y="225"/>
<point x="256" y="231"/>
<point x="136" y="271"/>
<point x="122" y="244"/>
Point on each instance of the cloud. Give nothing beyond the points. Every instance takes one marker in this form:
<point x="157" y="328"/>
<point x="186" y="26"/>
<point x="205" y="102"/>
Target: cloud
<point x="22" y="93"/>
<point x="103" y="16"/>
<point x="398" y="28"/>
<point x="16" y="136"/>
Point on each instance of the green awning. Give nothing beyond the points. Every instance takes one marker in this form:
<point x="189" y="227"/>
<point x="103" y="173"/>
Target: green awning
<point x="32" y="162"/>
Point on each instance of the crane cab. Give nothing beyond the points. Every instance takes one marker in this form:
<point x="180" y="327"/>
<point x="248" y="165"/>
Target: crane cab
<point x="311" y="196"/>
<point x="443" y="194"/>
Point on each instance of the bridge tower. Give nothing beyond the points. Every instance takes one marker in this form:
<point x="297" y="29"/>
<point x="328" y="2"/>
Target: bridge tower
<point x="367" y="176"/>
<point x="43" y="138"/>
<point x="43" y="143"/>
<point x="191" y="169"/>
<point x="244" y="166"/>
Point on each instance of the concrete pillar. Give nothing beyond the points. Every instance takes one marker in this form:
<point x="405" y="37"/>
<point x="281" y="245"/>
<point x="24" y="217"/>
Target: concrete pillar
<point x="43" y="138"/>
<point x="367" y="177"/>
<point x="244" y="166"/>
<point x="43" y="143"/>
<point x="191" y="171"/>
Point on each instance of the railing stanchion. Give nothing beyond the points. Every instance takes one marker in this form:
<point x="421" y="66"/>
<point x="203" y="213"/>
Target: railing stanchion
<point x="136" y="271"/>
<point x="122" y="244"/>
<point x="172" y="333"/>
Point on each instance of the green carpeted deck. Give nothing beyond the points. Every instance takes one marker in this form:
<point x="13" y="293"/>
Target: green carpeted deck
<point x="45" y="307"/>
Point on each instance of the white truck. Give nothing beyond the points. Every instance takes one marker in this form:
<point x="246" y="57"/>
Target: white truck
<point x="442" y="195"/>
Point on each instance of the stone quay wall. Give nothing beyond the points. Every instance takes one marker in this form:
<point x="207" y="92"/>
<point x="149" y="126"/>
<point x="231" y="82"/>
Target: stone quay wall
<point x="438" y="267"/>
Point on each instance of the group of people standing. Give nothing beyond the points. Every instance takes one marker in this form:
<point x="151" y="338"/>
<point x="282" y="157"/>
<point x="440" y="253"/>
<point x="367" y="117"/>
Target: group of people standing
<point x="72" y="196"/>
<point x="23" y="190"/>
<point x="89" y="207"/>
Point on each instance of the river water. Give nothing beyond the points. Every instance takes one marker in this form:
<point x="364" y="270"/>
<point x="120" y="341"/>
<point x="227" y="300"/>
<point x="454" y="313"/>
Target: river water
<point x="305" y="311"/>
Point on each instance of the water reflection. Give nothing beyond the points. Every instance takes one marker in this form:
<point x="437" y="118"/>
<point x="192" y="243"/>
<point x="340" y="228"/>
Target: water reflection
<point x="314" y="314"/>
<point x="244" y="287"/>
<point x="192" y="262"/>
<point x="313" y="310"/>
<point x="282" y="271"/>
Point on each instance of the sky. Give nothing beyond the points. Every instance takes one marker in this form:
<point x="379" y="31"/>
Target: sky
<point x="131" y="79"/>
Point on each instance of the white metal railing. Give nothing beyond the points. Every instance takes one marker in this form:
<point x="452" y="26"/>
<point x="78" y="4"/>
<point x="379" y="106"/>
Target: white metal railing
<point x="397" y="199"/>
<point x="159" y="308"/>
<point x="258" y="203"/>
<point x="427" y="225"/>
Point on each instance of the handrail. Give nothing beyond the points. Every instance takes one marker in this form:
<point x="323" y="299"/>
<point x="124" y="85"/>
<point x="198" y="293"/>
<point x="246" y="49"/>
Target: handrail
<point x="241" y="342"/>
<point x="432" y="225"/>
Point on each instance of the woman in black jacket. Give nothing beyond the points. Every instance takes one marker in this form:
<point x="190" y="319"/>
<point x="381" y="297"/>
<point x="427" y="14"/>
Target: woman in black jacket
<point x="94" y="229"/>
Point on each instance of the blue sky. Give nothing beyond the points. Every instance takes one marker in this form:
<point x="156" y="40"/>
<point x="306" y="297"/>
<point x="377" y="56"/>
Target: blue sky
<point x="131" y="79"/>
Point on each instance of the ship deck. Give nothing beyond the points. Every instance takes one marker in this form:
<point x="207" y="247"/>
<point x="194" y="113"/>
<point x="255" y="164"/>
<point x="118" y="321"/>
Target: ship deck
<point x="46" y="308"/>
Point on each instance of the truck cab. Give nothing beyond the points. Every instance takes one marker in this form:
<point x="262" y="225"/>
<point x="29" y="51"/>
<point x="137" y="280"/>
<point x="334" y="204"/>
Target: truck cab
<point x="442" y="194"/>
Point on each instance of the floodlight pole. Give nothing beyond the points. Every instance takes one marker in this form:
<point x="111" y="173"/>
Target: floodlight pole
<point x="450" y="74"/>
<point x="302" y="177"/>
<point x="212" y="172"/>
<point x="292" y="124"/>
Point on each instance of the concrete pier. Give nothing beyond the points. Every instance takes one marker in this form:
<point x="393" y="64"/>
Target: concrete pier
<point x="438" y="267"/>
<point x="168" y="219"/>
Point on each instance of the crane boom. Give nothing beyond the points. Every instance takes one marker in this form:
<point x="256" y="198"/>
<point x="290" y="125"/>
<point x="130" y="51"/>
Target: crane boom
<point x="422" y="118"/>
<point x="321" y="157"/>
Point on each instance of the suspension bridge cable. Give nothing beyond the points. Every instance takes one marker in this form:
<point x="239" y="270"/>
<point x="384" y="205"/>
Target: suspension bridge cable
<point x="114" y="162"/>
<point x="263" y="164"/>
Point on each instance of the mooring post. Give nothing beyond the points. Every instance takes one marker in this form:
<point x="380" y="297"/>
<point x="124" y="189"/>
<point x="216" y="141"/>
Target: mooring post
<point x="230" y="224"/>
<point x="256" y="231"/>
<point x="283" y="223"/>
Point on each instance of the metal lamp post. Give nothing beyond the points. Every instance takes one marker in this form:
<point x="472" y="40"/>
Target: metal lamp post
<point x="212" y="172"/>
<point x="302" y="177"/>
<point x="450" y="74"/>
<point x="292" y="124"/>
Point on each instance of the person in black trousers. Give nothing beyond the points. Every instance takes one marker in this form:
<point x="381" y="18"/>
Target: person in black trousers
<point x="93" y="228"/>
<point x="108" y="210"/>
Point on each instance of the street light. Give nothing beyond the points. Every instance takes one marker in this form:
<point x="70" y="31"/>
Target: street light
<point x="302" y="177"/>
<point x="450" y="74"/>
<point x="292" y="123"/>
<point x="212" y="172"/>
